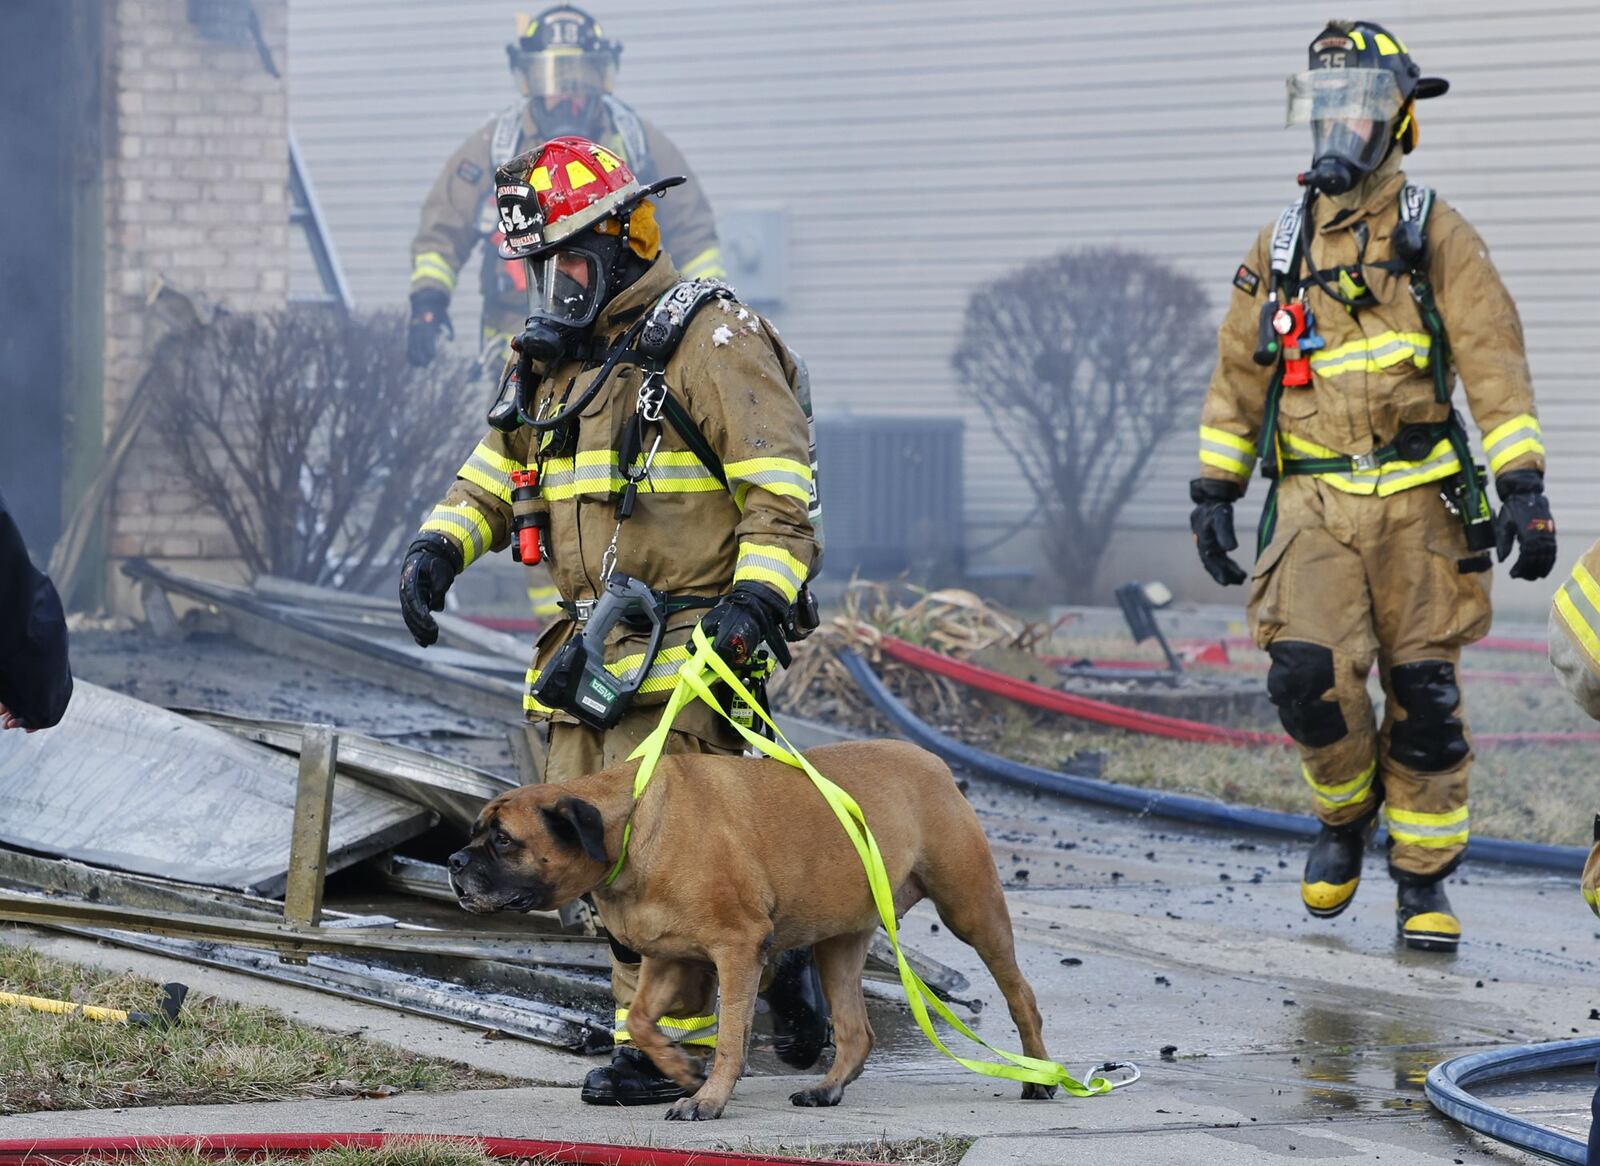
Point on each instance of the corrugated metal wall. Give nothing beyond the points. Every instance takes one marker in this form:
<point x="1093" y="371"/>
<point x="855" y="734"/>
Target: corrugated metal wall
<point x="923" y="148"/>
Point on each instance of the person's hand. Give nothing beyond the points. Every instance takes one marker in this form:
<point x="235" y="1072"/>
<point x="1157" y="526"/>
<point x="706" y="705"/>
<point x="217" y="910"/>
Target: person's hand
<point x="750" y="614"/>
<point x="429" y="317"/>
<point x="1211" y="521"/>
<point x="10" y="720"/>
<point x="1525" y="520"/>
<point x="432" y="564"/>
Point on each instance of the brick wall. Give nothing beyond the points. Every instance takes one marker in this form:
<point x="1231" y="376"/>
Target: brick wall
<point x="196" y="195"/>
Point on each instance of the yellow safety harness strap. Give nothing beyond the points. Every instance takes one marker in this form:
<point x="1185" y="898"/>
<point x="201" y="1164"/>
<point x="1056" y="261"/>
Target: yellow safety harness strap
<point x="694" y="683"/>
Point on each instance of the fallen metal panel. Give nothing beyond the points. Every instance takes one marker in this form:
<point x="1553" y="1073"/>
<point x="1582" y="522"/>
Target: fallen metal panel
<point x="127" y="785"/>
<point x="455" y="791"/>
<point x="578" y="951"/>
<point x="299" y="636"/>
<point x="549" y="1024"/>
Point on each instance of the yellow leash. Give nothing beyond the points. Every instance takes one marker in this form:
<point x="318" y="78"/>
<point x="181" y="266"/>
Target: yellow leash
<point x="694" y="683"/>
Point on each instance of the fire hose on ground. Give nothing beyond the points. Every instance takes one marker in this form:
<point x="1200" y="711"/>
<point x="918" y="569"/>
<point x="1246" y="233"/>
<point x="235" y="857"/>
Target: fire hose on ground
<point x="38" y="1151"/>
<point x="1448" y="1088"/>
<point x="1175" y="807"/>
<point x="1156" y="724"/>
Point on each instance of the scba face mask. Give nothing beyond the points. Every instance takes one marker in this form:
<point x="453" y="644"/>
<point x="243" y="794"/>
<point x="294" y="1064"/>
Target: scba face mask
<point x="1352" y="114"/>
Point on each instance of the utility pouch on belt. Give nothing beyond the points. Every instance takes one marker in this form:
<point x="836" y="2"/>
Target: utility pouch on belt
<point x="577" y="680"/>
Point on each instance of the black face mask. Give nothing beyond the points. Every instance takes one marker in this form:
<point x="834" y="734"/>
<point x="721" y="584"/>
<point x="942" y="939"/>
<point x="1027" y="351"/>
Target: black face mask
<point x="575" y="116"/>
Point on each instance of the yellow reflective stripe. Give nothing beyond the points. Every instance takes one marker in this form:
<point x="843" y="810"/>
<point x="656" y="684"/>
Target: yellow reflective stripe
<point x="706" y="265"/>
<point x="597" y="471"/>
<point x="1347" y="793"/>
<point x="1361" y="41"/>
<point x="433" y="265"/>
<point x="1386" y="47"/>
<point x="545" y="601"/>
<point x="1226" y="451"/>
<point x="1578" y="605"/>
<point x="684" y="1030"/>
<point x="1390" y="478"/>
<point x="782" y="476"/>
<point x="772" y="565"/>
<point x="1433" y="831"/>
<point x="466" y="526"/>
<point x="489" y="470"/>
<point x="1505" y="443"/>
<point x="1592" y="897"/>
<point x="1373" y="354"/>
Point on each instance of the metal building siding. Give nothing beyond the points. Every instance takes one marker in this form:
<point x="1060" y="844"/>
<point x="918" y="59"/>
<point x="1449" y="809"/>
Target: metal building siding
<point x="921" y="149"/>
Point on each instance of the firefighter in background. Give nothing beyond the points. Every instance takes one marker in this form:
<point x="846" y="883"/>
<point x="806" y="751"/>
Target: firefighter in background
<point x="1575" y="655"/>
<point x="664" y="428"/>
<point x="565" y="68"/>
<point x="1351" y="317"/>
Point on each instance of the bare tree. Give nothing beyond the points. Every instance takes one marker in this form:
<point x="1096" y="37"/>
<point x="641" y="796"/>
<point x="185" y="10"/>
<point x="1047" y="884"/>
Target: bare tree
<point x="1083" y="363"/>
<point x="312" y="437"/>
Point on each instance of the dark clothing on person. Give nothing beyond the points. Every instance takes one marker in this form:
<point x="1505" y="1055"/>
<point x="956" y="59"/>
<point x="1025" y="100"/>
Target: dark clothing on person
<point x="35" y="678"/>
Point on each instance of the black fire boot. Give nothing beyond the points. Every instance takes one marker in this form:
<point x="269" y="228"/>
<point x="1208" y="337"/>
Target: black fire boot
<point x="630" y="1079"/>
<point x="1333" y="868"/>
<point x="1423" y="915"/>
<point x="799" y="1009"/>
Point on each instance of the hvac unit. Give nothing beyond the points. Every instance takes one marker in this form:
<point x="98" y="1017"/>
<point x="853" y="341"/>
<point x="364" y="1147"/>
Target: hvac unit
<point x="891" y="495"/>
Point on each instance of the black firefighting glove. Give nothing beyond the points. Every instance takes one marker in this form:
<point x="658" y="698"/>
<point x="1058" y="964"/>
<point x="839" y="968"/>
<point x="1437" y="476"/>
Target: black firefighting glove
<point x="432" y="564"/>
<point x="429" y="317"/>
<point x="750" y="614"/>
<point x="1525" y="519"/>
<point x="1211" y="520"/>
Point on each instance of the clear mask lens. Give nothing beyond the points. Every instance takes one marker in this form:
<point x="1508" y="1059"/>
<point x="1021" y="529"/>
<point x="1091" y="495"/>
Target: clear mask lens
<point x="568" y="73"/>
<point x="1351" y="112"/>
<point x="567" y="287"/>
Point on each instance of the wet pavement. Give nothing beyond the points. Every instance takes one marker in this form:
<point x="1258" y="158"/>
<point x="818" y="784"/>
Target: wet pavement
<point x="1264" y="1035"/>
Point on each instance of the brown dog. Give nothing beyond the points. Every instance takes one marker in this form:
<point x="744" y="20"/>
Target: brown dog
<point x="733" y="860"/>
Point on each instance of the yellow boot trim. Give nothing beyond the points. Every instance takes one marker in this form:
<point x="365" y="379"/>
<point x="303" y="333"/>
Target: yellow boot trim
<point x="1328" y="898"/>
<point x="1432" y="931"/>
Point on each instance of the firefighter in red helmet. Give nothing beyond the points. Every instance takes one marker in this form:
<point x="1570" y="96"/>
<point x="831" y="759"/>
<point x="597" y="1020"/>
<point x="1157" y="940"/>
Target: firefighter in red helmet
<point x="652" y="437"/>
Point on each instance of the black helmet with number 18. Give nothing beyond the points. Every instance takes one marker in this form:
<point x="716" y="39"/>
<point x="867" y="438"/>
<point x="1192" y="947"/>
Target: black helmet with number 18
<point x="1359" y="97"/>
<point x="564" y="65"/>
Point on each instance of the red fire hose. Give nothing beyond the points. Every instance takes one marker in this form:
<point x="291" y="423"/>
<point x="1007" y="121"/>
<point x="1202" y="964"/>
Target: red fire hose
<point x="1102" y="712"/>
<point x="38" y="1151"/>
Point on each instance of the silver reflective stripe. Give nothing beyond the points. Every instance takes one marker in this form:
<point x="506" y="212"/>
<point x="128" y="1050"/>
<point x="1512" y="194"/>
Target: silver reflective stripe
<point x="470" y="533"/>
<point x="635" y="144"/>
<point x="769" y="477"/>
<point x="1360" y="358"/>
<point x="768" y="562"/>
<point x="1574" y="591"/>
<point x="1409" y="831"/>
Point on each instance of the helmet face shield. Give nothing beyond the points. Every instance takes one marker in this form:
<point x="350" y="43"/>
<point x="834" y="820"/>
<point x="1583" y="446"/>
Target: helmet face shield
<point x="568" y="287"/>
<point x="1351" y="112"/>
<point x="566" y="73"/>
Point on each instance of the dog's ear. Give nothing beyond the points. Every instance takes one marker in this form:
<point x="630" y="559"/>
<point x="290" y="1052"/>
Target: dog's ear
<point x="577" y="825"/>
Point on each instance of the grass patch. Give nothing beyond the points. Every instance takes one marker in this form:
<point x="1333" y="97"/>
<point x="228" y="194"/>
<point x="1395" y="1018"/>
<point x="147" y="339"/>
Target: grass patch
<point x="218" y="1052"/>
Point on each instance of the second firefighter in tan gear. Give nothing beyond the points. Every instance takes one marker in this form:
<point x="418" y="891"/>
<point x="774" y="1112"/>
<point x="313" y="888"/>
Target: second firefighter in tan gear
<point x="696" y="542"/>
<point x="1575" y="655"/>
<point x="565" y="67"/>
<point x="1361" y="560"/>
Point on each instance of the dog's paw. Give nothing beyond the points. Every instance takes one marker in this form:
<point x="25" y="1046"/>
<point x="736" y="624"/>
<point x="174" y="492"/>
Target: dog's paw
<point x="1038" y="1092"/>
<point x="694" y="1109"/>
<point x="817" y="1096"/>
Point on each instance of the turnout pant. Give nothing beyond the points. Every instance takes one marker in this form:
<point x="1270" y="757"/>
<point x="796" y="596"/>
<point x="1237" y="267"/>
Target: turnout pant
<point x="1347" y="580"/>
<point x="575" y="750"/>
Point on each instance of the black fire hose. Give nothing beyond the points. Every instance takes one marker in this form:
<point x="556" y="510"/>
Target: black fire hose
<point x="1566" y="860"/>
<point x="1448" y="1084"/>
